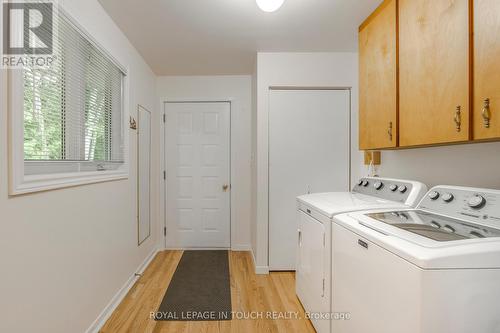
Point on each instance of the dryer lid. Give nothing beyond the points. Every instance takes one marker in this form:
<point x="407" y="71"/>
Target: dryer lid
<point x="333" y="203"/>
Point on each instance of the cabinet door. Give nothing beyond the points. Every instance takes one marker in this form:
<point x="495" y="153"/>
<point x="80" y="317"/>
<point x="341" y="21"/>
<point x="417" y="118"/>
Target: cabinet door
<point x="434" y="71"/>
<point x="486" y="69"/>
<point x="378" y="79"/>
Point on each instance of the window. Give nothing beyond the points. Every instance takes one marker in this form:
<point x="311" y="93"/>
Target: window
<point x="72" y="123"/>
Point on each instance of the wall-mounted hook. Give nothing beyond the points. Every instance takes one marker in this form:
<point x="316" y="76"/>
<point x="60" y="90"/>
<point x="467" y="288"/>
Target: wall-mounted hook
<point x="133" y="123"/>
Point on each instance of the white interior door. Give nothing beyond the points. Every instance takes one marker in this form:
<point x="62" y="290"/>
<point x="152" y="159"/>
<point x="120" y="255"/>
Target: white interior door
<point x="308" y="152"/>
<point x="144" y="174"/>
<point x="198" y="174"/>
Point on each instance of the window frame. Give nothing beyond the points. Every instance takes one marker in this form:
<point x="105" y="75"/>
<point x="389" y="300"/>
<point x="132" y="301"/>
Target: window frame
<point x="19" y="182"/>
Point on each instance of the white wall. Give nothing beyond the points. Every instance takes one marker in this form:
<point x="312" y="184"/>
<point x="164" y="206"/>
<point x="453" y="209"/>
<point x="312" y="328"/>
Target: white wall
<point x="239" y="90"/>
<point x="299" y="70"/>
<point x="65" y="253"/>
<point x="476" y="165"/>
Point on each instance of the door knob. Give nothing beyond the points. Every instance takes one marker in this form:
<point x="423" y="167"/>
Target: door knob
<point x="225" y="187"/>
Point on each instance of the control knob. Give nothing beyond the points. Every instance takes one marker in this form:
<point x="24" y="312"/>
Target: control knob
<point x="402" y="188"/>
<point x="477" y="201"/>
<point x="393" y="187"/>
<point x="434" y="195"/>
<point x="360" y="182"/>
<point x="365" y="183"/>
<point x="378" y="185"/>
<point x="448" y="197"/>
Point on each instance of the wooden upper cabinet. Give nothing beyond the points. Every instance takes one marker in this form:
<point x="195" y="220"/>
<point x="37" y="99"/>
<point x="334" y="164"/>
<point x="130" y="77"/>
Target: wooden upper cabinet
<point x="378" y="79"/>
<point x="434" y="71"/>
<point x="486" y="69"/>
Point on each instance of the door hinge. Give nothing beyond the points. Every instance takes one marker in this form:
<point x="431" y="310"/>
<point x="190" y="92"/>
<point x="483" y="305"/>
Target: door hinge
<point x="165" y="231"/>
<point x="164" y="175"/>
<point x="164" y="118"/>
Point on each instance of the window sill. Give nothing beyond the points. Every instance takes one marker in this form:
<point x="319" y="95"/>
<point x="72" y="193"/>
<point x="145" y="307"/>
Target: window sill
<point x="39" y="183"/>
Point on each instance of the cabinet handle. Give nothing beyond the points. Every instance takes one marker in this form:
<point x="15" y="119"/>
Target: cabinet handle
<point x="300" y="237"/>
<point x="458" y="118"/>
<point x="486" y="113"/>
<point x="389" y="131"/>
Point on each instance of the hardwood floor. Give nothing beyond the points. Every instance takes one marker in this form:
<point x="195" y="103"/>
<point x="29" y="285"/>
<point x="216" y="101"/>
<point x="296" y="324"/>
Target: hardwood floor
<point x="261" y="295"/>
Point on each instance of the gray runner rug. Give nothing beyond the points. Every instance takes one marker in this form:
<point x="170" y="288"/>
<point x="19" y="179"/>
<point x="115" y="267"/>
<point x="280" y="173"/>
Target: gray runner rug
<point x="200" y="289"/>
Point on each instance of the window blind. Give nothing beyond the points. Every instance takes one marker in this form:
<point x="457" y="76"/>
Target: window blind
<point x="73" y="110"/>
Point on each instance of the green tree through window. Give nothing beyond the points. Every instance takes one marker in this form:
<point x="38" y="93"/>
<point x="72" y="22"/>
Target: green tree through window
<point x="73" y="109"/>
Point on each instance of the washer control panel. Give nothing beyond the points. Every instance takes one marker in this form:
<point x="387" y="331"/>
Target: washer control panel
<point x="481" y="206"/>
<point x="390" y="189"/>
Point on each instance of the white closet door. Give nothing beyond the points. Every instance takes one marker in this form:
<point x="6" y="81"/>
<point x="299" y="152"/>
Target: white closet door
<point x="308" y="152"/>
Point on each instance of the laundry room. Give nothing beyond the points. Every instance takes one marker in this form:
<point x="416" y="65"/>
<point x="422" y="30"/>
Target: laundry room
<point x="189" y="166"/>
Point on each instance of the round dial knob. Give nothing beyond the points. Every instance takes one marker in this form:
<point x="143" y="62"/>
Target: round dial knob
<point x="360" y="182"/>
<point x="434" y="195"/>
<point x="448" y="197"/>
<point x="402" y="188"/>
<point x="476" y="201"/>
<point x="365" y="183"/>
<point x="393" y="187"/>
<point x="378" y="185"/>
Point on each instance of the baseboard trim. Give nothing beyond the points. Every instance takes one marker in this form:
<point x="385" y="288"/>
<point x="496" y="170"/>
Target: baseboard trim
<point x="197" y="248"/>
<point x="241" y="247"/>
<point x="259" y="270"/>
<point x="120" y="295"/>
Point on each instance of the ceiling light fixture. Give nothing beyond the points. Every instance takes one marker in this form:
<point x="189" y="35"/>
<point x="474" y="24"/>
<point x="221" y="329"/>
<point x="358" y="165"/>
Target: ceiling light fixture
<point x="270" y="5"/>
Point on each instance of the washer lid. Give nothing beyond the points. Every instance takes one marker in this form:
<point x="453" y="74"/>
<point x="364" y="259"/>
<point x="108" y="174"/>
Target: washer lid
<point x="332" y="203"/>
<point x="433" y="226"/>
<point x="422" y="251"/>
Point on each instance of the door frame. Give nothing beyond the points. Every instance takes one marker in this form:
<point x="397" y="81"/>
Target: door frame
<point x="349" y="144"/>
<point x="163" y="170"/>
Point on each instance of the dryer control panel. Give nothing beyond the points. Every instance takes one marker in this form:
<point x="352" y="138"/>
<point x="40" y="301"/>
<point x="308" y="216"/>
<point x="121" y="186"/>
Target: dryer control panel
<point x="481" y="206"/>
<point x="404" y="191"/>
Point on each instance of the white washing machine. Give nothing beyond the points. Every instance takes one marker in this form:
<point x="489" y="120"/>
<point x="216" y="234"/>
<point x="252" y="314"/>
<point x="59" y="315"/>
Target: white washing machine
<point x="315" y="213"/>
<point x="432" y="269"/>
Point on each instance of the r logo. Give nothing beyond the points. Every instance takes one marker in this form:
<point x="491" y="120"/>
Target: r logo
<point x="27" y="28"/>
